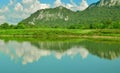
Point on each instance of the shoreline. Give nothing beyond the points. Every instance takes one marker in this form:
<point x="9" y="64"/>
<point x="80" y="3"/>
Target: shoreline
<point x="60" y="36"/>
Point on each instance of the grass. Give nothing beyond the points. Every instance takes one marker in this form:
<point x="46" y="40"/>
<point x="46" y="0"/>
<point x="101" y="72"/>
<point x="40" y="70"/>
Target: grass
<point x="42" y="31"/>
<point x="39" y="31"/>
<point x="58" y="32"/>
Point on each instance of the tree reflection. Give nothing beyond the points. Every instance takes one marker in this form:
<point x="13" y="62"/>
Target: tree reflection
<point x="29" y="52"/>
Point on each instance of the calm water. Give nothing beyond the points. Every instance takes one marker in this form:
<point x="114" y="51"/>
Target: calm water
<point x="78" y="56"/>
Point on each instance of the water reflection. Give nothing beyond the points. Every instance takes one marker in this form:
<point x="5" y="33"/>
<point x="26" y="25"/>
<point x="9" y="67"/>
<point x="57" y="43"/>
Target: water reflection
<point x="29" y="52"/>
<point x="73" y="56"/>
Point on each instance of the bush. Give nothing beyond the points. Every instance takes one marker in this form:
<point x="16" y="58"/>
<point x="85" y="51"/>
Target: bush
<point x="4" y="26"/>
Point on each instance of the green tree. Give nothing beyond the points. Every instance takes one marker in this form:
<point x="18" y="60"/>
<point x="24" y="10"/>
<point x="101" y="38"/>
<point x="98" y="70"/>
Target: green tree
<point x="4" y="26"/>
<point x="12" y="26"/>
<point x="20" y="26"/>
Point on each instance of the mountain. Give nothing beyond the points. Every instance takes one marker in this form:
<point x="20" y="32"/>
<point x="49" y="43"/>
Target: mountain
<point x="107" y="3"/>
<point x="99" y="15"/>
<point x="52" y="17"/>
<point x="103" y="14"/>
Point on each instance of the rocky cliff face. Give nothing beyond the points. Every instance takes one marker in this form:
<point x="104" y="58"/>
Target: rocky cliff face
<point x="107" y="3"/>
<point x="50" y="17"/>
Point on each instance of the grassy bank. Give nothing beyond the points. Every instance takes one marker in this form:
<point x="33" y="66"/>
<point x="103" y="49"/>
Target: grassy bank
<point x="60" y="33"/>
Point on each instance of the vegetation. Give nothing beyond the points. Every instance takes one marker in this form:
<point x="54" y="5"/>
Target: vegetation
<point x="100" y="17"/>
<point x="4" y="26"/>
<point x="94" y="21"/>
<point x="61" y="33"/>
<point x="61" y="17"/>
<point x="91" y="18"/>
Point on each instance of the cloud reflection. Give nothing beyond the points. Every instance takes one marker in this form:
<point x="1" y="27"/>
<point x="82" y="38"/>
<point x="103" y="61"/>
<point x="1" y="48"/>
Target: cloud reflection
<point x="28" y="53"/>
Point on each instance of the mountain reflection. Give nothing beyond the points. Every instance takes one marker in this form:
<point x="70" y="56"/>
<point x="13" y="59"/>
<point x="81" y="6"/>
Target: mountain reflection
<point x="30" y="53"/>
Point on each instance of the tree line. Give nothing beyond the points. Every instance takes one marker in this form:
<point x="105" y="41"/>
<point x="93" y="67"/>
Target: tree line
<point x="8" y="26"/>
<point x="103" y="25"/>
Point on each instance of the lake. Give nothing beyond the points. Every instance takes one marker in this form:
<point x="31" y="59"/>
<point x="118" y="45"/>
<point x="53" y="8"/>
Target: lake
<point x="66" y="56"/>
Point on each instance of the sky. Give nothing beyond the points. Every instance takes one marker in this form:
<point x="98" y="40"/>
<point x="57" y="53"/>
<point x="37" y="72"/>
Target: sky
<point x="13" y="11"/>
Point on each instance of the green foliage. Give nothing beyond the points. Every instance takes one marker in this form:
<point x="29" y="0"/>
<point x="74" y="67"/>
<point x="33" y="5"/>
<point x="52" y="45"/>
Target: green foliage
<point x="54" y="17"/>
<point x="4" y="26"/>
<point x="91" y="18"/>
<point x="57" y="32"/>
<point x="100" y="17"/>
<point x="20" y="26"/>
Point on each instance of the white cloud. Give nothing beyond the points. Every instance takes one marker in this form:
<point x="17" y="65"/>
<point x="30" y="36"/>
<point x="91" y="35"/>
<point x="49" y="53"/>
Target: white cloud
<point x="4" y="9"/>
<point x="29" y="53"/>
<point x="83" y="5"/>
<point x="2" y="19"/>
<point x="72" y="6"/>
<point x="20" y="10"/>
<point x="58" y="3"/>
<point x="18" y="7"/>
<point x="11" y="2"/>
<point x="69" y="6"/>
<point x="37" y="6"/>
<point x="27" y="1"/>
<point x="16" y="11"/>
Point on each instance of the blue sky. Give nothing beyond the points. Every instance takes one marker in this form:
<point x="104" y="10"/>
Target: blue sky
<point x="13" y="11"/>
<point x="5" y="2"/>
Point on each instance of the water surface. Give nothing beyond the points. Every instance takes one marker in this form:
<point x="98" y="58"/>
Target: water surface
<point x="76" y="56"/>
